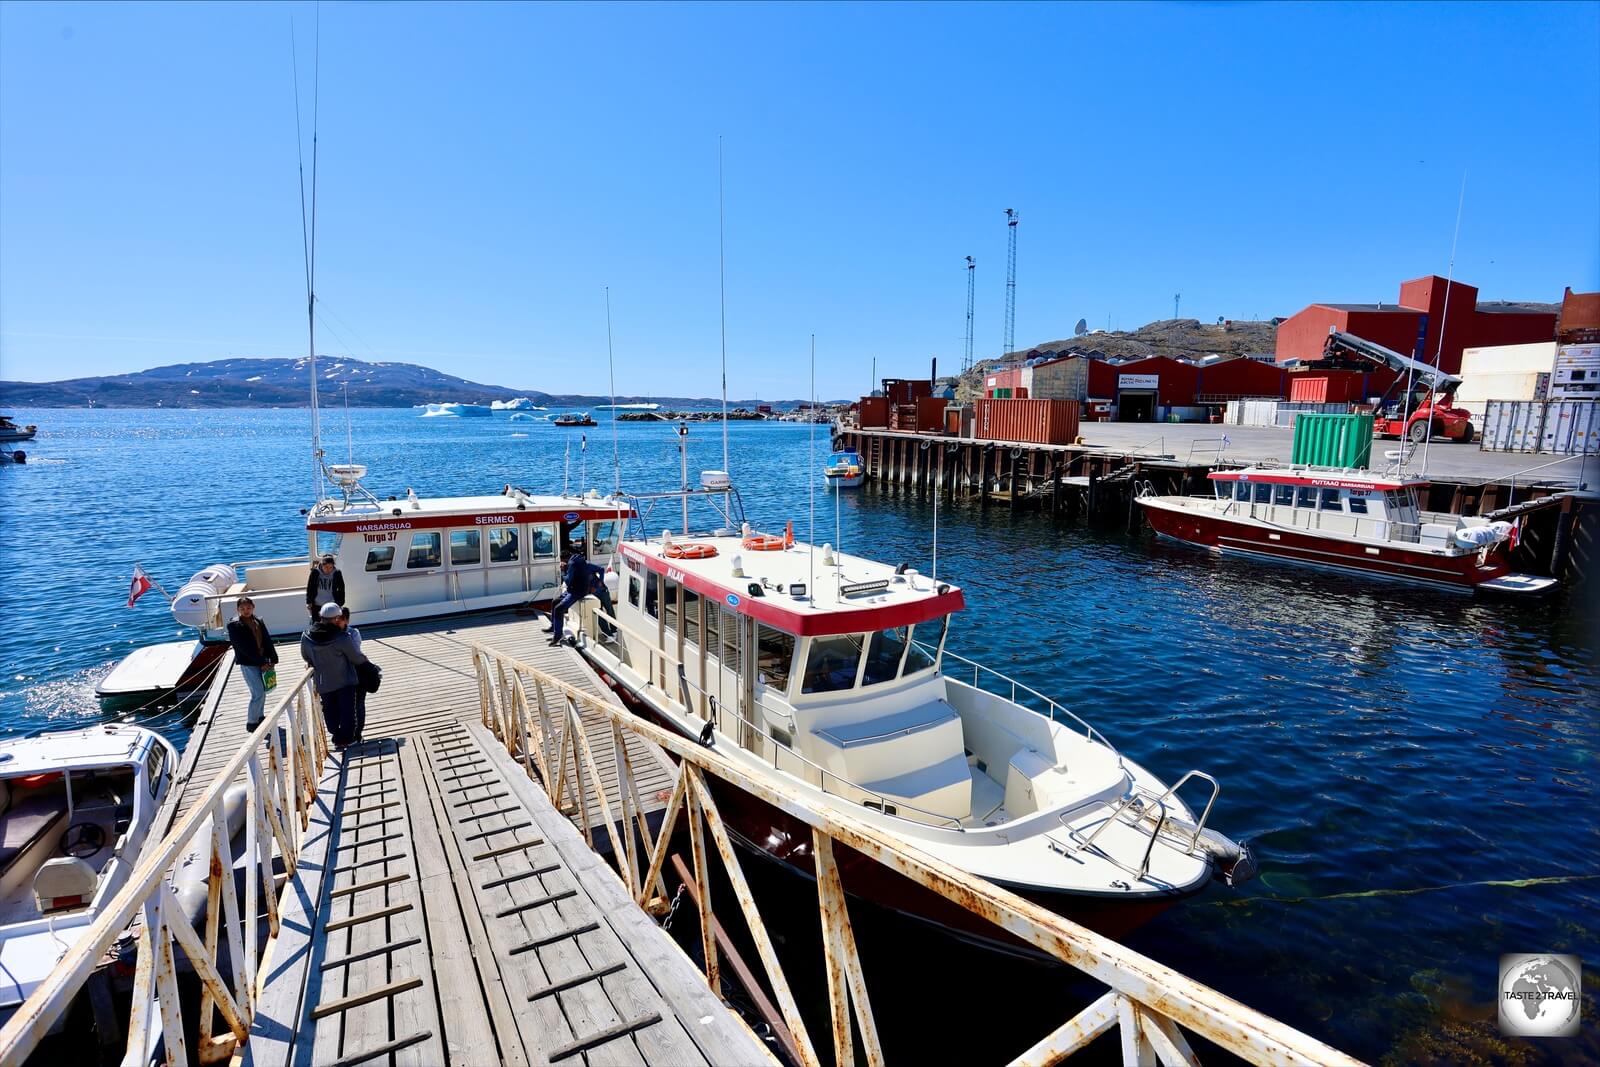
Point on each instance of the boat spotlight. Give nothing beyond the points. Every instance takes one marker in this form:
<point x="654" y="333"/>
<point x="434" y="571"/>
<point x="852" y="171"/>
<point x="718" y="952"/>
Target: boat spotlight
<point x="797" y="590"/>
<point x="754" y="589"/>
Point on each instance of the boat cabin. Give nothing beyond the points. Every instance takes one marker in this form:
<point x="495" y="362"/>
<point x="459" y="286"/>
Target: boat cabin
<point x="415" y="557"/>
<point x="1344" y="502"/>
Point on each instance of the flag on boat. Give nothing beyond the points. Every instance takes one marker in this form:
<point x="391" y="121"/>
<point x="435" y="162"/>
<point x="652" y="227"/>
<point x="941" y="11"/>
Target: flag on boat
<point x="1514" y="538"/>
<point x="139" y="586"/>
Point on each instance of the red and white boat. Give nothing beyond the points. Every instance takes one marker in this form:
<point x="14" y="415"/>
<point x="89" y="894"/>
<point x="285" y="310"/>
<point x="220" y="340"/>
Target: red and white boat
<point x="1345" y="520"/>
<point x="402" y="559"/>
<point x="828" y="672"/>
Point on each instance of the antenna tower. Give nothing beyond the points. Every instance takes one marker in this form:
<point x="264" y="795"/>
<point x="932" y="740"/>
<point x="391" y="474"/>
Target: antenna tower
<point x="1175" y="298"/>
<point x="1011" y="283"/>
<point x="972" y="274"/>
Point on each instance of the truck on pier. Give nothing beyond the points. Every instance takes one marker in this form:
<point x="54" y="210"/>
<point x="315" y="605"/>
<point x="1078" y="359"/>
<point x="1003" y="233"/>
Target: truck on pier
<point x="1425" y="410"/>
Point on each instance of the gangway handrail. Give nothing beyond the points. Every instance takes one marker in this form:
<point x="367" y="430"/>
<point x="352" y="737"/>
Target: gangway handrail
<point x="1147" y="1001"/>
<point x="277" y="813"/>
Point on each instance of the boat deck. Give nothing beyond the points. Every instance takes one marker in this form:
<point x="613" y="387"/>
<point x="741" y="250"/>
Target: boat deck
<point x="428" y="682"/>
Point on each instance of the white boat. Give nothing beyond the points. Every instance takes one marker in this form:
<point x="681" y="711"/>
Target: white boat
<point x="1347" y="520"/>
<point x="844" y="470"/>
<point x="401" y="559"/>
<point x="75" y="809"/>
<point x="828" y="672"/>
<point x="11" y="432"/>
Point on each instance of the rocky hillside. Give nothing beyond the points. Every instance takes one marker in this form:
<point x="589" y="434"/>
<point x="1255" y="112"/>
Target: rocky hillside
<point x="1178" y="338"/>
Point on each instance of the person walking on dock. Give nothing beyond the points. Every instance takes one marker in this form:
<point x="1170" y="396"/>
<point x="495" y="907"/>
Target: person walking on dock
<point x="324" y="586"/>
<point x="363" y="673"/>
<point x="254" y="654"/>
<point x="576" y="574"/>
<point x="333" y="658"/>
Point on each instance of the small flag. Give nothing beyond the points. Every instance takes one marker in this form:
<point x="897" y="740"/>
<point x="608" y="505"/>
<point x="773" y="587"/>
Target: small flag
<point x="139" y="586"/>
<point x="1225" y="441"/>
<point x="583" y="442"/>
<point x="1514" y="538"/>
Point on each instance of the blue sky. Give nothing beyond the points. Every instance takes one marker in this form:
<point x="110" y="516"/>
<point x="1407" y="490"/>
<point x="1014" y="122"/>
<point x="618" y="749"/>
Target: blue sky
<point x="487" y="170"/>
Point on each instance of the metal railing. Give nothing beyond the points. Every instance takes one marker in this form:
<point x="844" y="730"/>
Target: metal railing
<point x="1052" y="708"/>
<point x="1148" y="1004"/>
<point x="284" y="758"/>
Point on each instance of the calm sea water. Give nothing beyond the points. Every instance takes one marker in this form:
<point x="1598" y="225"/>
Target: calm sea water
<point x="1417" y="771"/>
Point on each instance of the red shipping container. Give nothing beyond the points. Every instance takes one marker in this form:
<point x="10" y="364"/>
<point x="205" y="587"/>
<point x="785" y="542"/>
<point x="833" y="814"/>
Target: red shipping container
<point x="1034" y="422"/>
<point x="1305" y="389"/>
<point x="874" y="412"/>
<point x="930" y="414"/>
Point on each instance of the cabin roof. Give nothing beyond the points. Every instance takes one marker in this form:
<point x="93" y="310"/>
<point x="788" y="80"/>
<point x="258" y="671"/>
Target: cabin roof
<point x="76" y="750"/>
<point x="1332" y="477"/>
<point x="879" y="600"/>
<point x="432" y="512"/>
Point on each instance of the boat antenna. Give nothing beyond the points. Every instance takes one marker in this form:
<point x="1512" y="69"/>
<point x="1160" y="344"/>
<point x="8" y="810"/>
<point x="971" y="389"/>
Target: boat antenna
<point x="308" y="230"/>
<point x="722" y="293"/>
<point x="349" y="436"/>
<point x="811" y="479"/>
<point x="566" y="474"/>
<point x="936" y="488"/>
<point x="611" y="365"/>
<point x="1444" y="319"/>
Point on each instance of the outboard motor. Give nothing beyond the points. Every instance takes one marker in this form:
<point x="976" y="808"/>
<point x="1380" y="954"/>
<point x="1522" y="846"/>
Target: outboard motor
<point x="192" y="605"/>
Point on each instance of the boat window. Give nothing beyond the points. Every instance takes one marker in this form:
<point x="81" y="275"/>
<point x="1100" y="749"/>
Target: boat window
<point x="380" y="557"/>
<point x="1330" y="500"/>
<point x="633" y="591"/>
<point x="1221" y="489"/>
<point x="542" y="540"/>
<point x="831" y="666"/>
<point x="464" y="550"/>
<point x="1358" y="505"/>
<point x="690" y="607"/>
<point x="328" y="543"/>
<point x="669" y="604"/>
<point x="926" y="637"/>
<point x="1263" y="493"/>
<point x="774" y="654"/>
<point x="884" y="653"/>
<point x="427" y="550"/>
<point x="730" y="638"/>
<point x="1241" y="490"/>
<point x="153" y="765"/>
<point x="1307" y="497"/>
<point x="1283" y="495"/>
<point x="602" y="538"/>
<point x="504" y="545"/>
<point x="651" y="595"/>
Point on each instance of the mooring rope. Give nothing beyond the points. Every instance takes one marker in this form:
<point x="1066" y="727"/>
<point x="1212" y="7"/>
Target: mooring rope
<point x="1511" y="883"/>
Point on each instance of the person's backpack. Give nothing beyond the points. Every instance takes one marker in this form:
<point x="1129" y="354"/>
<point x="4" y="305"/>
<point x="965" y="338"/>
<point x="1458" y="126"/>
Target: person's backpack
<point x="368" y="677"/>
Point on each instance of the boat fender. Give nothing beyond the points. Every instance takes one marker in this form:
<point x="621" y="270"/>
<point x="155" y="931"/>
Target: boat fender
<point x="193" y="605"/>
<point x="192" y="871"/>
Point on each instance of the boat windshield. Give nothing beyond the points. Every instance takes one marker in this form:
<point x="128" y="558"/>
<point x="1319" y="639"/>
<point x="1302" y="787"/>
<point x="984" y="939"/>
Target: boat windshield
<point x="832" y="664"/>
<point x="844" y="459"/>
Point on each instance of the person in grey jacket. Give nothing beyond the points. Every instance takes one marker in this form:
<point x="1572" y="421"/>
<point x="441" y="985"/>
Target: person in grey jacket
<point x="333" y="655"/>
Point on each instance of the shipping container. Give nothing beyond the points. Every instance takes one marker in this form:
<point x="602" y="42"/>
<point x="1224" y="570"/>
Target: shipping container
<point x="1332" y="440"/>
<point x="874" y="412"/>
<point x="906" y="390"/>
<point x="1307" y="388"/>
<point x="930" y="414"/>
<point x="1035" y="422"/>
<point x="1560" y="427"/>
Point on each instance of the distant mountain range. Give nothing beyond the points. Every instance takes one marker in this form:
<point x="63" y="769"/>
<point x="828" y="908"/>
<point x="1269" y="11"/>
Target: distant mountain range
<point x="286" y="383"/>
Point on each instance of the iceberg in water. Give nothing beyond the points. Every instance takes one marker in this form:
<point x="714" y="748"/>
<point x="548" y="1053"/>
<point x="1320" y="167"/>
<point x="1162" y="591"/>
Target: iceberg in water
<point x="454" y="410"/>
<point x="520" y="403"/>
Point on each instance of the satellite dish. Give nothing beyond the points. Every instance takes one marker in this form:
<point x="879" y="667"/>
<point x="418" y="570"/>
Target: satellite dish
<point x="1081" y="329"/>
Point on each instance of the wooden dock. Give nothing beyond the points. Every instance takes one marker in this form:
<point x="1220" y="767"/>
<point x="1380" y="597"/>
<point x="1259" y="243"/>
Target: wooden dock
<point x="444" y="912"/>
<point x="428" y="682"/>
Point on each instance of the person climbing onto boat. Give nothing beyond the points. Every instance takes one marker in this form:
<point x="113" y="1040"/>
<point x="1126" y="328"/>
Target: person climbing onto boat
<point x="333" y="657"/>
<point x="597" y="586"/>
<point x="324" y="586"/>
<point x="575" y="572"/>
<point x="254" y="654"/>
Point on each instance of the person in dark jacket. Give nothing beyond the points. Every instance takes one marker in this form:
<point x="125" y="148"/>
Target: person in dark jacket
<point x="324" y="586"/>
<point x="333" y="657"/>
<point x="253" y="653"/>
<point x="597" y="586"/>
<point x="575" y="572"/>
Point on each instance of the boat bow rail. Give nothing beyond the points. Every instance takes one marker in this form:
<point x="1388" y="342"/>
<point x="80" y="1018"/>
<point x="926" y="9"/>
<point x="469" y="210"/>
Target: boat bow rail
<point x="283" y="760"/>
<point x="1148" y="1004"/>
<point x="1020" y="694"/>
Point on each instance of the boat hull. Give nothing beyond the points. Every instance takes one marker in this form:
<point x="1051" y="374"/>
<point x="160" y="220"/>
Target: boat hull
<point x="845" y="481"/>
<point x="1461" y="573"/>
<point x="764" y="831"/>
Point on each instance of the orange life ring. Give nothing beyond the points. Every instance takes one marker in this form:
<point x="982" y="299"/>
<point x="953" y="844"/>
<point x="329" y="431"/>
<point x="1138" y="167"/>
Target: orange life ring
<point x="689" y="550"/>
<point x="765" y="543"/>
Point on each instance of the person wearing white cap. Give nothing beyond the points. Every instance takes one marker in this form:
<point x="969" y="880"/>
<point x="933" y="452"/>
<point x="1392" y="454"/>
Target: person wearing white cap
<point x="333" y="656"/>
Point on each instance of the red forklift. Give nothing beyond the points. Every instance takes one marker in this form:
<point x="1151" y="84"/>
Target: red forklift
<point x="1408" y="414"/>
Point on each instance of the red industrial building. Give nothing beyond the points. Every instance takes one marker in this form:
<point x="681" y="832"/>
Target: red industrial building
<point x="1411" y="326"/>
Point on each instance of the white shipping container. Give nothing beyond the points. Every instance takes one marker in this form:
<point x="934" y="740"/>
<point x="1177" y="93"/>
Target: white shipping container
<point x="1517" y="385"/>
<point x="1560" y="427"/>
<point x="1532" y="358"/>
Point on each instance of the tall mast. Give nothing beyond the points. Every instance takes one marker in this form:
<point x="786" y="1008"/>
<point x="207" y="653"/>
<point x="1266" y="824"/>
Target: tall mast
<point x="722" y="290"/>
<point x="308" y="237"/>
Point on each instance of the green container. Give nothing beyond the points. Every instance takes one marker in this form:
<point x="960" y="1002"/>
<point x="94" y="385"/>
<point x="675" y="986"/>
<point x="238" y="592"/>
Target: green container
<point x="1333" y="440"/>
<point x="1002" y="394"/>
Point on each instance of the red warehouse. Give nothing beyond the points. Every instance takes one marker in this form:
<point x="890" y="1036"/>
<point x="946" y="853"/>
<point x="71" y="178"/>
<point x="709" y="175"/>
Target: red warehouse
<point x="1417" y="317"/>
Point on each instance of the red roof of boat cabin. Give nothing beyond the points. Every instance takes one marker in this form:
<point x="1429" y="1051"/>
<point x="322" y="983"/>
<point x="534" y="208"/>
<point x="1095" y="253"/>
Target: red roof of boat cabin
<point x="1329" y="477"/>
<point x="438" y="512"/>
<point x="903" y="601"/>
